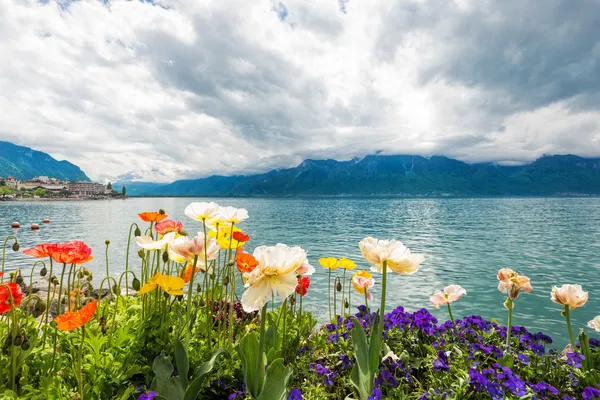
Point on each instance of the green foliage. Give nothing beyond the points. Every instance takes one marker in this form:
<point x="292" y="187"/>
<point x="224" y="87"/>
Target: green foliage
<point x="368" y="357"/>
<point x="39" y="192"/>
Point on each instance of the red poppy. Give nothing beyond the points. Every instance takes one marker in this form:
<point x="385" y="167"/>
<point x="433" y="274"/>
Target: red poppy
<point x="71" y="252"/>
<point x="167" y="226"/>
<point x="303" y="284"/>
<point x="152" y="216"/>
<point x="5" y="293"/>
<point x="245" y="262"/>
<point x="40" y="250"/>
<point x="76" y="319"/>
<point x="240" y="236"/>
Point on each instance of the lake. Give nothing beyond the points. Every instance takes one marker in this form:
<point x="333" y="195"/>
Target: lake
<point x="465" y="241"/>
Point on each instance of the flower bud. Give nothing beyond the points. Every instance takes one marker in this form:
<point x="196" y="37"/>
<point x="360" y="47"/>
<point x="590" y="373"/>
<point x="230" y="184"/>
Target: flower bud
<point x="54" y="280"/>
<point x="182" y="232"/>
<point x="141" y="253"/>
<point x="43" y="271"/>
<point x="25" y="346"/>
<point x="16" y="246"/>
<point x="80" y="275"/>
<point x="165" y="257"/>
<point x="338" y="287"/>
<point x="346" y="304"/>
<point x="116" y="290"/>
<point x="135" y="284"/>
<point x="89" y="278"/>
<point x="19" y="279"/>
<point x="226" y="281"/>
<point x="107" y="242"/>
<point x="161" y="211"/>
<point x="137" y="232"/>
<point x="17" y="341"/>
<point x="231" y="262"/>
<point x="86" y="271"/>
<point x="40" y="306"/>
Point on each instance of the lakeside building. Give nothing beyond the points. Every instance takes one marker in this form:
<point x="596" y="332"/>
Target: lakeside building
<point x="58" y="186"/>
<point x="86" y="189"/>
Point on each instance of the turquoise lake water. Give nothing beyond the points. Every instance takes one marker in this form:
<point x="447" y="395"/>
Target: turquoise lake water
<point x="465" y="241"/>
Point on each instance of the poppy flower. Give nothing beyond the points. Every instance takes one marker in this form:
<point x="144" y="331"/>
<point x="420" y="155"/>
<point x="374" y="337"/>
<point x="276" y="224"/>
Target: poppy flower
<point x="303" y="284"/>
<point x="245" y="262"/>
<point x="6" y="291"/>
<point x="240" y="236"/>
<point x="329" y="262"/>
<point x="232" y="215"/>
<point x="71" y="252"/>
<point x="168" y="225"/>
<point x="363" y="281"/>
<point x="40" y="250"/>
<point x="450" y="294"/>
<point x="186" y="248"/>
<point x="76" y="319"/>
<point x="347" y="264"/>
<point x="202" y="211"/>
<point x="152" y="216"/>
<point x="170" y="284"/>
<point x="186" y="273"/>
<point x="224" y="237"/>
<point x="396" y="256"/>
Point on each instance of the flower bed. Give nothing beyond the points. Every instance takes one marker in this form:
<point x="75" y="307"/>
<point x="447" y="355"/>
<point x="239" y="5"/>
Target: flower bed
<point x="201" y="318"/>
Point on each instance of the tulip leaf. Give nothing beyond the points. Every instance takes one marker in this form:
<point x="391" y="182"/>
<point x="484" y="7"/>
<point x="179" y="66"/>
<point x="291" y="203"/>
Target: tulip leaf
<point x="183" y="366"/>
<point x="375" y="347"/>
<point x="249" y="358"/>
<point x="276" y="381"/>
<point x="194" y="388"/>
<point x="362" y="376"/>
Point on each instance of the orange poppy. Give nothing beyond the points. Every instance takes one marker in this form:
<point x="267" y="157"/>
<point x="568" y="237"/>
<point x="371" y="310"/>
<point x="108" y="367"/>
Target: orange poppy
<point x="246" y="262"/>
<point x="6" y="291"/>
<point x="152" y="216"/>
<point x="71" y="252"/>
<point x="241" y="237"/>
<point x="40" y="250"/>
<point x="186" y="273"/>
<point x="76" y="319"/>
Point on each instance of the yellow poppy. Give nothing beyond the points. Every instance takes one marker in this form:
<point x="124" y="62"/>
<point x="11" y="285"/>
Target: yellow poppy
<point x="347" y="264"/>
<point x="170" y="284"/>
<point x="224" y="237"/>
<point x="329" y="262"/>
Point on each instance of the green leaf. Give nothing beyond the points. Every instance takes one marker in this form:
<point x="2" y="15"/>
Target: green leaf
<point x="195" y="386"/>
<point x="362" y="376"/>
<point x="128" y="393"/>
<point x="276" y="381"/>
<point x="162" y="367"/>
<point x="375" y="348"/>
<point x="249" y="358"/>
<point x="183" y="366"/>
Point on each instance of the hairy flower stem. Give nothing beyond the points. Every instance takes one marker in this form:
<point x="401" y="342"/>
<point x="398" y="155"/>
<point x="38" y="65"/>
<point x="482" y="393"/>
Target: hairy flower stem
<point x="14" y="333"/>
<point x="80" y="368"/>
<point x="261" y="343"/>
<point x="232" y="283"/>
<point x="509" y="305"/>
<point x="329" y="295"/>
<point x="383" y="292"/>
<point x="568" y="318"/>
<point x="4" y="255"/>
<point x="106" y="253"/>
<point x="127" y="258"/>
<point x="343" y="294"/>
<point x="189" y="304"/>
<point x="48" y="305"/>
<point x="367" y="307"/>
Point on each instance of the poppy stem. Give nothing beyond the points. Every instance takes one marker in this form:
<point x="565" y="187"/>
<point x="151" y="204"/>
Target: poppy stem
<point x="48" y="305"/>
<point x="189" y="303"/>
<point x="329" y="295"/>
<point x="510" y="306"/>
<point x="452" y="319"/>
<point x="80" y="372"/>
<point x="343" y="294"/>
<point x="383" y="291"/>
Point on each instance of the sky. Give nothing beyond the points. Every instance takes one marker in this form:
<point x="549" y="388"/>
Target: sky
<point x="165" y="90"/>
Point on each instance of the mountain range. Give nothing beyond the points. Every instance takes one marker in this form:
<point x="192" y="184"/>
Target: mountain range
<point x="24" y="163"/>
<point x="396" y="175"/>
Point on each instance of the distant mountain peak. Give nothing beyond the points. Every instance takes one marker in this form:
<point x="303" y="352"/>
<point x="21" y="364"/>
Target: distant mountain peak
<point x="25" y="163"/>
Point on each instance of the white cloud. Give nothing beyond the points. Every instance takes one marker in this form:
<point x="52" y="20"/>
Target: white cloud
<point x="196" y="87"/>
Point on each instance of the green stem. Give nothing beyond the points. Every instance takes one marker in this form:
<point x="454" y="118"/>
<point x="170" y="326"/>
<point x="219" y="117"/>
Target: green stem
<point x="261" y="343"/>
<point x="452" y="319"/>
<point x="80" y="372"/>
<point x="127" y="258"/>
<point x="367" y="307"/>
<point x="4" y="254"/>
<point x="48" y="305"/>
<point x="343" y="294"/>
<point x="383" y="292"/>
<point x="568" y="318"/>
<point x="329" y="295"/>
<point x="189" y="303"/>
<point x="60" y="290"/>
<point x="14" y="333"/>
<point x="510" y="304"/>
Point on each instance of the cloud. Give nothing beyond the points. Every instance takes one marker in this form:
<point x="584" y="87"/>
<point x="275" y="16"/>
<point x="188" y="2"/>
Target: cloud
<point x="173" y="89"/>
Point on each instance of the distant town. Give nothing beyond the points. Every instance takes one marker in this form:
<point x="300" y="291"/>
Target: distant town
<point x="45" y="187"/>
